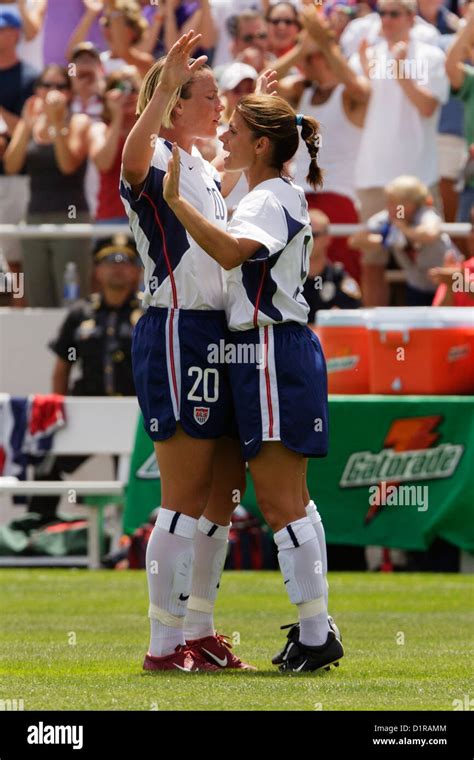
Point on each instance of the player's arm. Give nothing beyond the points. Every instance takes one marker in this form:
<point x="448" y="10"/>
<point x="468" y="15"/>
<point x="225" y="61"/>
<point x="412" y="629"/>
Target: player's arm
<point x="228" y="251"/>
<point x="139" y="147"/>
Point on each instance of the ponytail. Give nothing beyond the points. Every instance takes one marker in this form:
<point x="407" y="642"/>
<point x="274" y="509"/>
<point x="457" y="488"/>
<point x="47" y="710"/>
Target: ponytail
<point x="311" y="136"/>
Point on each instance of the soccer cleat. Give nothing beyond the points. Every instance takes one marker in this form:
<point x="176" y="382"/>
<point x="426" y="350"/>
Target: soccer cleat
<point x="216" y="650"/>
<point x="334" y="628"/>
<point x="183" y="658"/>
<point x="294" y="635"/>
<point x="301" y="658"/>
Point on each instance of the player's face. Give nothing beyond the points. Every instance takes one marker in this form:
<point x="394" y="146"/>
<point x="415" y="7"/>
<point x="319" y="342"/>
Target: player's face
<point x="199" y="114"/>
<point x="239" y="142"/>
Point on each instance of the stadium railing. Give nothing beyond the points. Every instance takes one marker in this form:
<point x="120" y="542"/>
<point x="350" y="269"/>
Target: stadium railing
<point x="55" y="231"/>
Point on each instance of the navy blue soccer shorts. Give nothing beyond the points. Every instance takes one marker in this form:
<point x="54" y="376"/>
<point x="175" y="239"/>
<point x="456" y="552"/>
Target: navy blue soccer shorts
<point x="177" y="376"/>
<point x="279" y="385"/>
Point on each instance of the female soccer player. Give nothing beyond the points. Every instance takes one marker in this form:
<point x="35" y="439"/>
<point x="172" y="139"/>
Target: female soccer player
<point x="280" y="395"/>
<point x="185" y="399"/>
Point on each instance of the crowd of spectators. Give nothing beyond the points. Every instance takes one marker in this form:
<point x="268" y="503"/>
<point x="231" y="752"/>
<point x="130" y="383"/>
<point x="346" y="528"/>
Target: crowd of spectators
<point x="391" y="84"/>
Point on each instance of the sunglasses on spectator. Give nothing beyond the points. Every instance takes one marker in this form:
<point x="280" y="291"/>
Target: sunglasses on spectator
<point x="286" y="21"/>
<point x="390" y="14"/>
<point x="127" y="87"/>
<point x="252" y="37"/>
<point x="54" y="86"/>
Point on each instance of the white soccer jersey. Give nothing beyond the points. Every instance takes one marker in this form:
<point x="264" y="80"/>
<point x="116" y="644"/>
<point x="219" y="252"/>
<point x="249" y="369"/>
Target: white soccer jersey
<point x="178" y="273"/>
<point x="267" y="288"/>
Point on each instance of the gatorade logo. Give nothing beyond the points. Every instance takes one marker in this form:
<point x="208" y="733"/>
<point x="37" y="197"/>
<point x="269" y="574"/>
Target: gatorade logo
<point x="456" y="353"/>
<point x="149" y="469"/>
<point x="342" y="363"/>
<point x="409" y="454"/>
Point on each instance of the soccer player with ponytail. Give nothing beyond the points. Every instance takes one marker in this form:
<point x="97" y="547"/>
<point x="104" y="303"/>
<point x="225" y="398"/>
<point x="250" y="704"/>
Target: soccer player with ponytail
<point x="280" y="389"/>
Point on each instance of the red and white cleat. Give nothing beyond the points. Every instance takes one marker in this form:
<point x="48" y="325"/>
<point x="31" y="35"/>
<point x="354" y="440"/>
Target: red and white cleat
<point x="217" y="650"/>
<point x="183" y="658"/>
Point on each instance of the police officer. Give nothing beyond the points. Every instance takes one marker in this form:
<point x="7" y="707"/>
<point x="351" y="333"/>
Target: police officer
<point x="97" y="334"/>
<point x="328" y="285"/>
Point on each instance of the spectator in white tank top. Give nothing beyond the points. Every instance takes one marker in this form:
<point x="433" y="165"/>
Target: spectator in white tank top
<point x="334" y="99"/>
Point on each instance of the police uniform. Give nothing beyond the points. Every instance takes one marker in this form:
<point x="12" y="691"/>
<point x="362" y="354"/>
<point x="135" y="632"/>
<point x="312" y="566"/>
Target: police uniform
<point x="332" y="288"/>
<point x="280" y="393"/>
<point x="175" y="379"/>
<point x="99" y="336"/>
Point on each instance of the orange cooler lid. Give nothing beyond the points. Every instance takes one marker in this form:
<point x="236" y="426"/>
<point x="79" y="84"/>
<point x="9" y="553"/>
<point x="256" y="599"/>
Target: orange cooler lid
<point x="420" y="317"/>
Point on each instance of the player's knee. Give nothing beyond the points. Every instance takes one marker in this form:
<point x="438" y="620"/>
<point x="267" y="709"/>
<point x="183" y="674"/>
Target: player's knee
<point x="272" y="509"/>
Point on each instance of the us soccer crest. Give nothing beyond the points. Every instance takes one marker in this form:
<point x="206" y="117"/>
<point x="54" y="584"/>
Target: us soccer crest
<point x="201" y="414"/>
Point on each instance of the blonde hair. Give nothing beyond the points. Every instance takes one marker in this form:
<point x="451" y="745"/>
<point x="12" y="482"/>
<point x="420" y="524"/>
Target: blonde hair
<point x="410" y="6"/>
<point x="133" y="17"/>
<point x="151" y="82"/>
<point x="271" y="116"/>
<point x="408" y="188"/>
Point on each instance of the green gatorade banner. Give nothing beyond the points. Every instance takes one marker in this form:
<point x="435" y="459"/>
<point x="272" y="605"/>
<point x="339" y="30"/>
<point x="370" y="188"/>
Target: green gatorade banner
<point x="400" y="473"/>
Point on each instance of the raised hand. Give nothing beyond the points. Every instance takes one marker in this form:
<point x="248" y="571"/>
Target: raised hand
<point x="317" y="26"/>
<point x="115" y="100"/>
<point x="400" y="51"/>
<point x="266" y="83"/>
<point x="31" y="110"/>
<point x="55" y="107"/>
<point x="171" y="178"/>
<point x="177" y="69"/>
<point x="95" y="6"/>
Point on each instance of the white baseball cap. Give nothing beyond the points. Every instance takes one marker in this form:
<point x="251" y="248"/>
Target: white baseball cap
<point x="234" y="74"/>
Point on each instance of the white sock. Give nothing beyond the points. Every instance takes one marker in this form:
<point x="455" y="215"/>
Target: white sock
<point x="317" y="523"/>
<point x="210" y="549"/>
<point x="169" y="560"/>
<point x="300" y="562"/>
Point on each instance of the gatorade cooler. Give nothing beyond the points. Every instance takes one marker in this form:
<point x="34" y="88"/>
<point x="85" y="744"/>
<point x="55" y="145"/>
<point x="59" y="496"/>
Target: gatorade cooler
<point x="344" y="338"/>
<point x="421" y="350"/>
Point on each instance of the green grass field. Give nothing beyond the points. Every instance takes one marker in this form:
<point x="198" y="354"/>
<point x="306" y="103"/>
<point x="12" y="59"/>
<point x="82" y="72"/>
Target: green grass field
<point x="74" y="640"/>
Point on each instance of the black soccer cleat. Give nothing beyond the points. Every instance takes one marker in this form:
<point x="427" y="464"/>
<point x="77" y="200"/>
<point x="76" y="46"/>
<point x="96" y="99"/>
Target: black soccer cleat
<point x="303" y="659"/>
<point x="294" y="635"/>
